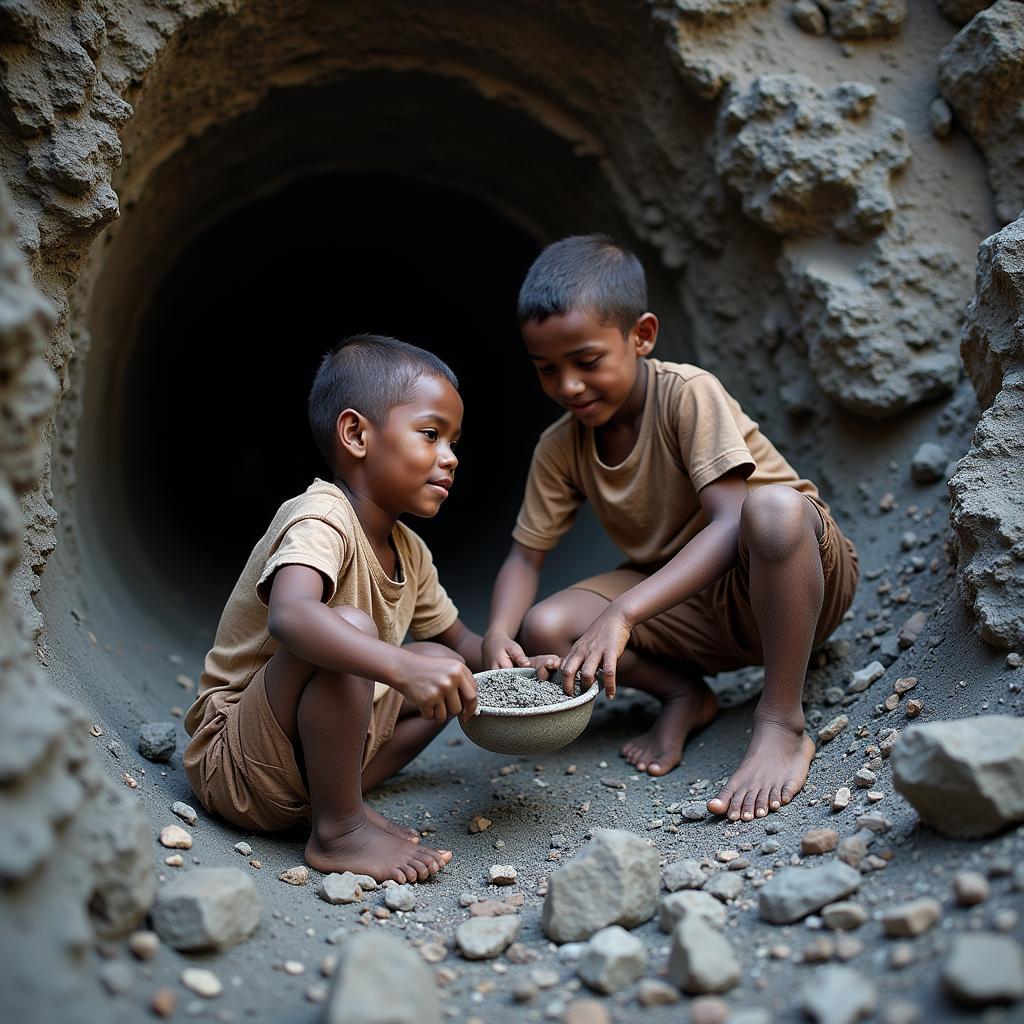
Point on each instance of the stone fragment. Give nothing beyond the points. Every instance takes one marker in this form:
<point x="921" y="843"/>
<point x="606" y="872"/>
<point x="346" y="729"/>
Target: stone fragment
<point x="298" y="875"/>
<point x="842" y="799"/>
<point x="709" y="1010"/>
<point x="838" y="995"/>
<point x="174" y="837"/>
<point x="724" y="886"/>
<point x="913" y="918"/>
<point x="796" y="892"/>
<point x="375" y="963"/>
<point x="844" y="916"/>
<point x="853" y="849"/>
<point x="340" y="888"/>
<point x="164" y="1003"/>
<point x="965" y="778"/>
<point x="683" y="874"/>
<point x="912" y="629"/>
<point x="615" y="879"/>
<point x="864" y="778"/>
<point x="144" y="945"/>
<point x="183" y="811"/>
<point x="833" y="729"/>
<point x="243" y="848"/>
<point x="201" y="981"/>
<point x="970" y="888"/>
<point x="157" y="741"/>
<point x="984" y="969"/>
<point x="863" y="678"/>
<point x="484" y="938"/>
<point x="929" y="463"/>
<point x="940" y="117"/>
<point x="207" y="908"/>
<point x="701" y="959"/>
<point x="914" y="708"/>
<point x="490" y="908"/>
<point x="819" y="950"/>
<point x="478" y="823"/>
<point x="612" y="959"/>
<point x="586" y="1011"/>
<point x="400" y="897"/>
<point x="174" y="861"/>
<point x="676" y="905"/>
<point x="501" y="874"/>
<point x="655" y="992"/>
<point x="981" y="74"/>
<point x="819" y="840"/>
<point x="808" y="16"/>
<point x="866" y="19"/>
<point x="117" y="977"/>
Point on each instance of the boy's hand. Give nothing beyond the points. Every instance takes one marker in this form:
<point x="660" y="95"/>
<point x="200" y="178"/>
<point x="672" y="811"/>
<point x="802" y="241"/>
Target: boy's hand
<point x="598" y="648"/>
<point x="439" y="687"/>
<point x="502" y="651"/>
<point x="545" y="665"/>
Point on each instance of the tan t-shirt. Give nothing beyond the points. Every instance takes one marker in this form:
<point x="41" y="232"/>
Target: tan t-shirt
<point x="691" y="433"/>
<point x="319" y="529"/>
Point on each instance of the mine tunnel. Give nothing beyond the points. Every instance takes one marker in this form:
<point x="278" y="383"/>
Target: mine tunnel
<point x="194" y="425"/>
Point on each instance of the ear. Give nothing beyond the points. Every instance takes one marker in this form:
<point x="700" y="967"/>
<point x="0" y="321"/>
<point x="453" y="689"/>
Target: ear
<point x="350" y="431"/>
<point x="646" y="334"/>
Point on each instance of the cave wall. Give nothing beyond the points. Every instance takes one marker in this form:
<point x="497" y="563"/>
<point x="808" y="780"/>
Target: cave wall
<point x="816" y="179"/>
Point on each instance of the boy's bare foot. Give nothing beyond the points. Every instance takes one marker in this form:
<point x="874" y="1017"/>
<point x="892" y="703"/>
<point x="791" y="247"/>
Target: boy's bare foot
<point x="410" y="835"/>
<point x="660" y="749"/>
<point x="772" y="772"/>
<point x="368" y="849"/>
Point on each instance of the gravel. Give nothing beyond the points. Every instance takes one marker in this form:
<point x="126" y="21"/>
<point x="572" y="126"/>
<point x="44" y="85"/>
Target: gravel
<point x="504" y="688"/>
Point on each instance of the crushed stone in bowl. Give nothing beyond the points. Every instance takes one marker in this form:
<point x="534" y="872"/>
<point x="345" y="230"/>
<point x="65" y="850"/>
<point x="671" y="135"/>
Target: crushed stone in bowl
<point x="507" y="689"/>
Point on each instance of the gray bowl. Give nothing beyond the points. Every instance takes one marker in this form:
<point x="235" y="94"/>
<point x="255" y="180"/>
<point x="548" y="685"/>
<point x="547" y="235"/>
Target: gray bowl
<point x="530" y="730"/>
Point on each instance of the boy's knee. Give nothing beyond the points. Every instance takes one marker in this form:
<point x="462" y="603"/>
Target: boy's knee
<point x="358" y="618"/>
<point x="774" y="520"/>
<point x="544" y="627"/>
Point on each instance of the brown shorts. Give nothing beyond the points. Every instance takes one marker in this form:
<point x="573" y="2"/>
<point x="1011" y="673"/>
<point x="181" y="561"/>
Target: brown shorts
<point x="715" y="630"/>
<point x="242" y="766"/>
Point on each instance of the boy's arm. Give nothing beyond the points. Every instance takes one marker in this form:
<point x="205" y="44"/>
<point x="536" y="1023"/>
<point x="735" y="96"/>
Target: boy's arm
<point x="301" y="622"/>
<point x="697" y="565"/>
<point x="514" y="591"/>
<point x="459" y="637"/>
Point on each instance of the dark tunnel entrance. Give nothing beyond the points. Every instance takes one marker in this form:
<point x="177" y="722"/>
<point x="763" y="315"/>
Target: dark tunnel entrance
<point x="214" y="419"/>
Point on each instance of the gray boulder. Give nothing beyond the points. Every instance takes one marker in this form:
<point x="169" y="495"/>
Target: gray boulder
<point x="380" y="980"/>
<point x="158" y="741"/>
<point x="796" y="892"/>
<point x="616" y="879"/>
<point x="964" y="778"/>
<point x="612" y="959"/>
<point x="207" y="908"/>
<point x="983" y="969"/>
<point x="701" y="959"/>
<point x="484" y="938"/>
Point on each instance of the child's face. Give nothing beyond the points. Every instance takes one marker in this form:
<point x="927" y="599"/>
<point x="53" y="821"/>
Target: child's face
<point x="411" y="459"/>
<point x="585" y="366"/>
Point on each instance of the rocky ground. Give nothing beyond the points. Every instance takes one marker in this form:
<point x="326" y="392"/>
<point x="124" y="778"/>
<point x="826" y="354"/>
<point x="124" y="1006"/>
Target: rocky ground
<point x="873" y="921"/>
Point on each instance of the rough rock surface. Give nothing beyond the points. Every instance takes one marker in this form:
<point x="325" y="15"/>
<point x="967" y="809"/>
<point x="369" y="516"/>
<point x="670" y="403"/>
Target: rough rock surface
<point x="796" y="892"/>
<point x="615" y="880"/>
<point x="805" y="160"/>
<point x="880" y="334"/>
<point x="371" y="964"/>
<point x="612" y="959"/>
<point x="964" y="778"/>
<point x="866" y="19"/>
<point x="158" y="740"/>
<point x="207" y="908"/>
<point x="981" y="73"/>
<point x="483" y="938"/>
<point x="701" y="959"/>
<point x="984" y="969"/>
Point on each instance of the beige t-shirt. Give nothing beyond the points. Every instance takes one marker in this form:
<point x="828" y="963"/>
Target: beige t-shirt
<point x="319" y="529"/>
<point x="691" y="433"/>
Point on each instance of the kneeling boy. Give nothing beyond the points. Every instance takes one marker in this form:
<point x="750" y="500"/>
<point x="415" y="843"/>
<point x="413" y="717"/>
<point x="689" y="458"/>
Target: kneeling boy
<point x="733" y="559"/>
<point x="307" y="700"/>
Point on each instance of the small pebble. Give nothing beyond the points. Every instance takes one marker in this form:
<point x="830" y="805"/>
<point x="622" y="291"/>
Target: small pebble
<point x="164" y="1002"/>
<point x="244" y="849"/>
<point x="144" y="945"/>
<point x="298" y="875"/>
<point x="183" y="811"/>
<point x="201" y="981"/>
<point x="842" y="799"/>
<point x="174" y="837"/>
<point x="502" y="874"/>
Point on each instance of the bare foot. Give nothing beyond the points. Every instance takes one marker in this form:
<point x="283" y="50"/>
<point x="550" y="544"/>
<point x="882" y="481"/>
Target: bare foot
<point x="772" y="772"/>
<point x="660" y="749"/>
<point x="410" y="835"/>
<point x="368" y="849"/>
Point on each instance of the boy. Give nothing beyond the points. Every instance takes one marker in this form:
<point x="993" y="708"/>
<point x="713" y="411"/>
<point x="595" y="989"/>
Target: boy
<point x="733" y="559"/>
<point x="289" y="725"/>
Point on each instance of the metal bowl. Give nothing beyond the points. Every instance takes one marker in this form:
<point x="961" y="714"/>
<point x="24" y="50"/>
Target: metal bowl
<point x="530" y="730"/>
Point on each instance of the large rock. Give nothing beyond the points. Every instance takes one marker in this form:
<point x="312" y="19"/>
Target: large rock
<point x="981" y="73"/>
<point x="612" y="959"/>
<point x="806" y="160"/>
<point x="838" y="995"/>
<point x="701" y="959"/>
<point x="796" y="892"/>
<point x="380" y="980"/>
<point x="207" y="908"/>
<point x="982" y="969"/>
<point x="616" y="879"/>
<point x="964" y="778"/>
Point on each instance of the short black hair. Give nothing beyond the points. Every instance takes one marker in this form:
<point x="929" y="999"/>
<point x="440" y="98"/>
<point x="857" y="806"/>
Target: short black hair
<point x="585" y="272"/>
<point x="370" y="373"/>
